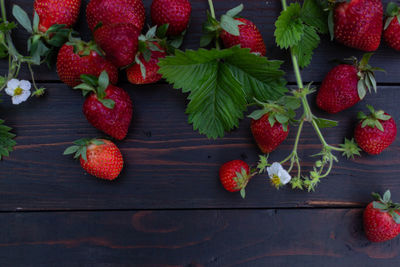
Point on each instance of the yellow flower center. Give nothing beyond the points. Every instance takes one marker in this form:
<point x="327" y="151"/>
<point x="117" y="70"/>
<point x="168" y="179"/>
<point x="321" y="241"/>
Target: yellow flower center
<point x="18" y="91"/>
<point x="276" y="181"/>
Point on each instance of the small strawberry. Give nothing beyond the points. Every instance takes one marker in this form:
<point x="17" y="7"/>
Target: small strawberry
<point x="392" y="26"/>
<point x="53" y="12"/>
<point x="381" y="218"/>
<point x="345" y="85"/>
<point x="108" y="108"/>
<point x="77" y="57"/>
<point x="119" y="42"/>
<point x="375" y="132"/>
<point x="358" y="23"/>
<point x="175" y="13"/>
<point x="115" y="11"/>
<point x="234" y="176"/>
<point x="99" y="157"/>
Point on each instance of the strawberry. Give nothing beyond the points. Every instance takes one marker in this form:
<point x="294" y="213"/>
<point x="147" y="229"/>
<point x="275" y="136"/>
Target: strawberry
<point x="145" y="70"/>
<point x="375" y="132"/>
<point x="249" y="37"/>
<point x="56" y="12"/>
<point x="234" y="176"/>
<point x="115" y="11"/>
<point x="175" y="13"/>
<point x="99" y="157"/>
<point x="119" y="42"/>
<point x="345" y="85"/>
<point x="108" y="108"/>
<point x="358" y="24"/>
<point x="77" y="57"/>
<point x="392" y="26"/>
<point x="381" y="218"/>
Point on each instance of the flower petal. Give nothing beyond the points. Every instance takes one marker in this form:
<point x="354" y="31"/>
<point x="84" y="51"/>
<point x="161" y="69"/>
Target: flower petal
<point x="13" y="83"/>
<point x="16" y="100"/>
<point x="9" y="91"/>
<point x="25" y="85"/>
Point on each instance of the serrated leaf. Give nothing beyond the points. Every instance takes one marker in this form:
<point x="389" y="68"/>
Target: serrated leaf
<point x="313" y="14"/>
<point x="325" y="123"/>
<point x="230" y="25"/>
<point x="6" y="140"/>
<point x="22" y="18"/>
<point x="289" y="27"/>
<point x="304" y="49"/>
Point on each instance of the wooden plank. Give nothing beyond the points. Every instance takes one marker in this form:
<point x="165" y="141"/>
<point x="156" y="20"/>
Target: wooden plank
<point x="264" y="14"/>
<point x="192" y="238"/>
<point x="168" y="165"/>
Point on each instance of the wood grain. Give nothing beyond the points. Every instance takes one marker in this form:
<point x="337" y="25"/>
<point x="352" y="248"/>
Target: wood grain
<point x="168" y="165"/>
<point x="191" y="238"/>
<point x="264" y="14"/>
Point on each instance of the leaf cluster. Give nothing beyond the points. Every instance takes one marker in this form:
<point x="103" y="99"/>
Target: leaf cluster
<point x="79" y="149"/>
<point x="7" y="142"/>
<point x="385" y="204"/>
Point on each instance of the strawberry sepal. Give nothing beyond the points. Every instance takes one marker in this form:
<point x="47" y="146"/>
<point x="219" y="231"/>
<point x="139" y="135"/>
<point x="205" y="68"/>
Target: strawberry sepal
<point x="385" y="204"/>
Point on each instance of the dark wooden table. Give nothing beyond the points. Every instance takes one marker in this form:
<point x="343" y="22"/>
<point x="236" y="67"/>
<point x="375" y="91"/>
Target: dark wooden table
<point x="168" y="208"/>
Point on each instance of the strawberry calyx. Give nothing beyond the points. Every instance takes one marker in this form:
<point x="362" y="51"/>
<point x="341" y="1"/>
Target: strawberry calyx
<point x="97" y="86"/>
<point x="392" y="12"/>
<point x="212" y="28"/>
<point x="350" y="148"/>
<point x="242" y="178"/>
<point x="83" y="48"/>
<point x="385" y="204"/>
<point x="374" y="119"/>
<point x="281" y="111"/>
<point x="79" y="149"/>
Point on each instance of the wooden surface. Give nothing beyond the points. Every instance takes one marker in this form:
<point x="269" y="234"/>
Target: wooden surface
<point x="168" y="208"/>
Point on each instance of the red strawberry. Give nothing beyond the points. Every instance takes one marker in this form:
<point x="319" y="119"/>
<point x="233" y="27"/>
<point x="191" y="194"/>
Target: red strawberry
<point x="99" y="157"/>
<point x="108" y="108"/>
<point x="375" y="132"/>
<point x="358" y="24"/>
<point x="249" y="37"/>
<point x="115" y="11"/>
<point x="382" y="219"/>
<point x="345" y="85"/>
<point x="235" y="175"/>
<point x="56" y="12"/>
<point x="119" y="42"/>
<point x="84" y="60"/>
<point x="268" y="134"/>
<point x="176" y="13"/>
<point x="392" y="26"/>
<point x="150" y="68"/>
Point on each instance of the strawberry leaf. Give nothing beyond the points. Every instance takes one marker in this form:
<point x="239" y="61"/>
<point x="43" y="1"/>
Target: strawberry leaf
<point x="325" y="123"/>
<point x="289" y="27"/>
<point x="313" y="14"/>
<point x="304" y="49"/>
<point x="22" y="18"/>
<point x="6" y="140"/>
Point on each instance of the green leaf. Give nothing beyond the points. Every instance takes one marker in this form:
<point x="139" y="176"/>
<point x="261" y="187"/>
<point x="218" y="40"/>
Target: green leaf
<point x="177" y="41"/>
<point x="151" y="33"/>
<point x="230" y="25"/>
<point x="313" y="14"/>
<point x="257" y="114"/>
<point x="71" y="150"/>
<point x="235" y="11"/>
<point x="325" y="123"/>
<point x="162" y="31"/>
<point x="378" y="205"/>
<point x="22" y="18"/>
<point x="304" y="49"/>
<point x="206" y="39"/>
<point x="108" y="103"/>
<point x="6" y="140"/>
<point x="103" y="81"/>
<point x="289" y="27"/>
<point x="386" y="196"/>
<point x="35" y="24"/>
<point x="243" y="192"/>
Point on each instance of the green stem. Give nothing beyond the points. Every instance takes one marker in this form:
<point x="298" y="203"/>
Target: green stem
<point x="210" y="3"/>
<point x="33" y="77"/>
<point x="3" y="10"/>
<point x="320" y="136"/>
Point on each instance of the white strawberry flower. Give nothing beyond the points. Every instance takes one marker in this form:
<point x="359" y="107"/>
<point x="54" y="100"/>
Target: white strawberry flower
<point x="18" y="90"/>
<point x="278" y="175"/>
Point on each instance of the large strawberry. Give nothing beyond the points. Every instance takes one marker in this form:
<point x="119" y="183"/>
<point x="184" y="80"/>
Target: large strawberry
<point x="99" y="157"/>
<point x="392" y="26"/>
<point x="119" y="41"/>
<point x="77" y="57"/>
<point x="108" y="108"/>
<point x="358" y="23"/>
<point x="175" y="13"/>
<point x="234" y="176"/>
<point x="56" y="12"/>
<point x="115" y="11"/>
<point x="375" y="132"/>
<point x="345" y="85"/>
<point x="382" y="218"/>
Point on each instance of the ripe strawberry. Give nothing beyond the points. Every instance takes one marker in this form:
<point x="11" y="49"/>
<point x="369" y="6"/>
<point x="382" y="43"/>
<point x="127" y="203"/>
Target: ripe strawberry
<point x="145" y="71"/>
<point x="381" y="218"/>
<point x="99" y="157"/>
<point x="249" y="37"/>
<point x="77" y="57"/>
<point x="108" y="108"/>
<point x="56" y="12"/>
<point x="392" y="26"/>
<point x="115" y="11"/>
<point x="375" y="132"/>
<point x="345" y="85"/>
<point x="358" y="24"/>
<point x="234" y="176"/>
<point x="176" y="13"/>
<point x="119" y="42"/>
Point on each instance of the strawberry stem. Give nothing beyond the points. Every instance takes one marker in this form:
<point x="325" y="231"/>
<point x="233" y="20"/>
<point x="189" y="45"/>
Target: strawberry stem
<point x="211" y="5"/>
<point x="3" y="10"/>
